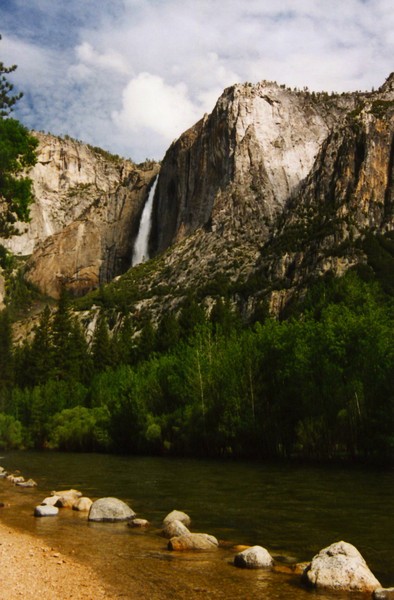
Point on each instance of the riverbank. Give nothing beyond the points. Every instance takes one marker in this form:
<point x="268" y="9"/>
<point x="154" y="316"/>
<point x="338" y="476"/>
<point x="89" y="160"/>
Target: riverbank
<point x="34" y="570"/>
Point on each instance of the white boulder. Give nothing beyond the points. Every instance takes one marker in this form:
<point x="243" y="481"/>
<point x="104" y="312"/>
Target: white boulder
<point x="255" y="557"/>
<point x="177" y="515"/>
<point x="340" y="567"/>
<point x="110" y="509"/>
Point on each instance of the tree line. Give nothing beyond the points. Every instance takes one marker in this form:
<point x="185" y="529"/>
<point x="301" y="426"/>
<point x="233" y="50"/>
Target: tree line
<point x="318" y="385"/>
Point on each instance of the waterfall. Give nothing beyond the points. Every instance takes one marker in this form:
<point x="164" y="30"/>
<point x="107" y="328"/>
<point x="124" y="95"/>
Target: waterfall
<point x="140" y="251"/>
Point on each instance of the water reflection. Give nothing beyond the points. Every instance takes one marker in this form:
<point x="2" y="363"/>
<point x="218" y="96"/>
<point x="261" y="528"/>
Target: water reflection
<point x="293" y="511"/>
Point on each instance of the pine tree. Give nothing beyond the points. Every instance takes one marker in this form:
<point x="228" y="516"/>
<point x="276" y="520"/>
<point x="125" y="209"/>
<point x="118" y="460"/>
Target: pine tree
<point x="167" y="333"/>
<point x="191" y="316"/>
<point x="17" y="151"/>
<point x="101" y="345"/>
<point x="62" y="335"/>
<point x="6" y="350"/>
<point x="123" y="344"/>
<point x="146" y="342"/>
<point x="41" y="352"/>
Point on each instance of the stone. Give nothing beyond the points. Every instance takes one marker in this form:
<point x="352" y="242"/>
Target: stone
<point x="83" y="504"/>
<point x="175" y="529"/>
<point x="177" y="515"/>
<point x="193" y="541"/>
<point x="15" y="478"/>
<point x="255" y="557"/>
<point x="67" y="498"/>
<point x="340" y="567"/>
<point x="27" y="484"/>
<point x="50" y="500"/>
<point x="138" y="523"/>
<point x="45" y="510"/>
<point x="110" y="509"/>
<point x="383" y="594"/>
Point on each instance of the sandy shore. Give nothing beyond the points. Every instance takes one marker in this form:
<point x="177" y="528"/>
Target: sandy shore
<point x="30" y="569"/>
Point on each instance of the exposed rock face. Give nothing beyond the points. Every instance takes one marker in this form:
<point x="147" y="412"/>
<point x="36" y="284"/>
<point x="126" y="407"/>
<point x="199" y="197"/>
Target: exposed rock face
<point x="341" y="567"/>
<point x="247" y="157"/>
<point x="85" y="216"/>
<point x="272" y="189"/>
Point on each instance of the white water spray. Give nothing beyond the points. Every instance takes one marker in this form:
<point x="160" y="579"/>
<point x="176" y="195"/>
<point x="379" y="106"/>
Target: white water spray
<point x="141" y="251"/>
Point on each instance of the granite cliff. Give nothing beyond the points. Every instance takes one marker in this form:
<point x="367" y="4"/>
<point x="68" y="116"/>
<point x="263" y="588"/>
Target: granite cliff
<point x="273" y="189"/>
<point x="84" y="218"/>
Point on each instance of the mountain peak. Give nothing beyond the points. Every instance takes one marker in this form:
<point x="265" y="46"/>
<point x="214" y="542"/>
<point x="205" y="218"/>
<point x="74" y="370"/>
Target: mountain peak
<point x="388" y="85"/>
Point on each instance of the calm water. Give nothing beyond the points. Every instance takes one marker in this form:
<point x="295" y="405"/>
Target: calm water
<point x="292" y="511"/>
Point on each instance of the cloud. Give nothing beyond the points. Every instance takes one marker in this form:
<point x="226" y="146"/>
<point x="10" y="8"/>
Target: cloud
<point x="106" y="61"/>
<point x="149" y="103"/>
<point x="130" y="75"/>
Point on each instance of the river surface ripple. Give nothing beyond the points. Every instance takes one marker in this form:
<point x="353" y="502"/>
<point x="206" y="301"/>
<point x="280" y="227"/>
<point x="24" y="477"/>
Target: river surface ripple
<point x="293" y="511"/>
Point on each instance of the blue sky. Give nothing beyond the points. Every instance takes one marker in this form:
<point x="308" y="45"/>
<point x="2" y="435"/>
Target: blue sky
<point x="131" y="75"/>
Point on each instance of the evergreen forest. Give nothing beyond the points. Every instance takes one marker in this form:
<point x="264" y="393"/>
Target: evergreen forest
<point x="316" y="385"/>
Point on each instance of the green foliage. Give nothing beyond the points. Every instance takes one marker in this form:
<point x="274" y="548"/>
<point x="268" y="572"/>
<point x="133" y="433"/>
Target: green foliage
<point x="6" y="259"/>
<point x="380" y="257"/>
<point x="318" y="385"/>
<point x="379" y="108"/>
<point x="79" y="429"/>
<point x="11" y="432"/>
<point x="101" y="345"/>
<point x="6" y="351"/>
<point x="17" y="151"/>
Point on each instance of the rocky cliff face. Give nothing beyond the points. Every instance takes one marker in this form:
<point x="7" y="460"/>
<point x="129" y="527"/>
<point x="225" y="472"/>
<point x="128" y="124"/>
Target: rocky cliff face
<point x="85" y="216"/>
<point x="255" y="148"/>
<point x="273" y="189"/>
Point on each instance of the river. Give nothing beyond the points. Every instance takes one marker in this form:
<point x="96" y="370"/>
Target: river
<point x="292" y="510"/>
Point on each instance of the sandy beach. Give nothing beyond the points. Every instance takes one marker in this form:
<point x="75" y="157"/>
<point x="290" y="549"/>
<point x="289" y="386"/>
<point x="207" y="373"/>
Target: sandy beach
<point x="31" y="569"/>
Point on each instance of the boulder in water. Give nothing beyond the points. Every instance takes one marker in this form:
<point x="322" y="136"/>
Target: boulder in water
<point x="255" y="557"/>
<point x="67" y="498"/>
<point x="138" y="523"/>
<point x="193" y="541"/>
<point x="27" y="484"/>
<point x="177" y="515"/>
<point x="45" y="510"/>
<point x="175" y="529"/>
<point x="50" y="500"/>
<point x="83" y="504"/>
<point x="384" y="594"/>
<point x="110" y="510"/>
<point x="340" y="567"/>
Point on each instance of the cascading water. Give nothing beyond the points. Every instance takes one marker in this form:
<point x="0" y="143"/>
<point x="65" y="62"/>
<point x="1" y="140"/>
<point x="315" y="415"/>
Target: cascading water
<point x="141" y="251"/>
